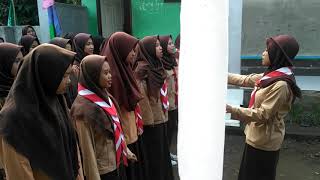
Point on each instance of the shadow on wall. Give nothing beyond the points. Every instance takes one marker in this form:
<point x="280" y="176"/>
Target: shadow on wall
<point x="13" y="34"/>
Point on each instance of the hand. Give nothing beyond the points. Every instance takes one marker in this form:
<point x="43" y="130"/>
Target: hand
<point x="75" y="69"/>
<point x="228" y="108"/>
<point x="132" y="157"/>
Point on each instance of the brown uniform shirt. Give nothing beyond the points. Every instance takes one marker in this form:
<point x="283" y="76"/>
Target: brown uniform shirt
<point x="151" y="108"/>
<point x="265" y="127"/>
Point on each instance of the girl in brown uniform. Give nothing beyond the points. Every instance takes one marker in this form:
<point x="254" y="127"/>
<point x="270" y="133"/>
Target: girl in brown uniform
<point x="151" y="75"/>
<point x="10" y="57"/>
<point x="169" y="63"/>
<point x="274" y="92"/>
<point x="38" y="139"/>
<point x="120" y="52"/>
<point x="97" y="120"/>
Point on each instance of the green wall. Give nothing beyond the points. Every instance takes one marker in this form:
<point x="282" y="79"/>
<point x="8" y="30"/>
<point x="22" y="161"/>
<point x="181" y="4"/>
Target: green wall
<point x="92" y="14"/>
<point x="151" y="17"/>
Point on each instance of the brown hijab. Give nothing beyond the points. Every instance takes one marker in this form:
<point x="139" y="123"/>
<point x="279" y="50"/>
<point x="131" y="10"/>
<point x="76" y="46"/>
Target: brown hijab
<point x="80" y="41"/>
<point x="168" y="60"/>
<point x="148" y="67"/>
<point x="26" y="43"/>
<point x="61" y="42"/>
<point x="124" y="86"/>
<point x="90" y="69"/>
<point x="34" y="119"/>
<point x="282" y="49"/>
<point x="8" y="55"/>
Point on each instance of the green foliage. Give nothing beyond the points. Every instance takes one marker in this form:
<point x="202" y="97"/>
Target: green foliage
<point x="75" y="2"/>
<point x="26" y="12"/>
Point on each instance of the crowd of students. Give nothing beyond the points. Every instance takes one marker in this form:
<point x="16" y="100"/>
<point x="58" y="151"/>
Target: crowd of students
<point x="84" y="107"/>
<point x="91" y="108"/>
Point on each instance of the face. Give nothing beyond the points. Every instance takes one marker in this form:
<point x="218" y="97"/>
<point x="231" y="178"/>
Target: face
<point x="14" y="69"/>
<point x="158" y="50"/>
<point x="105" y="80"/>
<point x="131" y="56"/>
<point x="34" y="45"/>
<point x="31" y="32"/>
<point x="65" y="81"/>
<point x="88" y="48"/>
<point x="171" y="48"/>
<point x="68" y="47"/>
<point x="265" y="58"/>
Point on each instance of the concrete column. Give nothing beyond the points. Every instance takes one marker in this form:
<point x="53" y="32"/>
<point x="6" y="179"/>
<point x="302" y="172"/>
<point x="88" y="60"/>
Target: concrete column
<point x="202" y="88"/>
<point x="235" y="24"/>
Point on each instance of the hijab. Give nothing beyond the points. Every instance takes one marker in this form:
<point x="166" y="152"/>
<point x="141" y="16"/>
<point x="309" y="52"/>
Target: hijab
<point x="168" y="60"/>
<point x="177" y="42"/>
<point x="80" y="41"/>
<point x="148" y="67"/>
<point x="90" y="70"/>
<point x="124" y="86"/>
<point x="26" y="43"/>
<point x="34" y="119"/>
<point x="61" y="42"/>
<point x="1" y="40"/>
<point x="97" y="42"/>
<point x="282" y="49"/>
<point x="8" y="55"/>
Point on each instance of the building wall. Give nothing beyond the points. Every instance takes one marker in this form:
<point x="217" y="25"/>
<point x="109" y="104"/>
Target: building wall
<point x="151" y="17"/>
<point x="92" y="15"/>
<point x="263" y="18"/>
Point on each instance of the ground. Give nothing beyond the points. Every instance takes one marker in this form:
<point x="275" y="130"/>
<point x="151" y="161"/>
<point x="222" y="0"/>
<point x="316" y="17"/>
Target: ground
<point x="299" y="159"/>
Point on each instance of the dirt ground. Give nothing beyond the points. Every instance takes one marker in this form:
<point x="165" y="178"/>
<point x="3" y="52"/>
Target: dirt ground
<point x="299" y="159"/>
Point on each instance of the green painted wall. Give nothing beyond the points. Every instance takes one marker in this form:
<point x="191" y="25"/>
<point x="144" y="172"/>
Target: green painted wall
<point x="92" y="14"/>
<point x="151" y="17"/>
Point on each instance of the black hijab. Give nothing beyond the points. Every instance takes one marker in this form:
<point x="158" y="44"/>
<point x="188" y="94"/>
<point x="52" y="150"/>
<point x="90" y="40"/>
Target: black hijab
<point x="61" y="42"/>
<point x="97" y="42"/>
<point x="282" y="49"/>
<point x="80" y="41"/>
<point x="8" y="55"/>
<point x="34" y="119"/>
<point x="1" y="40"/>
<point x="168" y="60"/>
<point x="148" y="67"/>
<point x="26" y="43"/>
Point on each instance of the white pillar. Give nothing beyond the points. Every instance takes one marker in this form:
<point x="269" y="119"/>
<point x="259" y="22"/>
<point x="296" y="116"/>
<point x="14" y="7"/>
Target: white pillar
<point x="202" y="88"/>
<point x="235" y="26"/>
<point x="44" y="23"/>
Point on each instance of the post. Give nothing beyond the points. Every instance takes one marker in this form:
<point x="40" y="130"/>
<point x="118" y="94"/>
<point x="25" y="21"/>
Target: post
<point x="44" y="23"/>
<point x="202" y="88"/>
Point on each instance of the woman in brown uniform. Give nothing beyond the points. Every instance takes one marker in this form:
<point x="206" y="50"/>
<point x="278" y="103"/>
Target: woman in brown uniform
<point x="151" y="75"/>
<point x="38" y="139"/>
<point x="96" y="116"/>
<point x="120" y="54"/>
<point x="270" y="102"/>
<point x="10" y="57"/>
<point x="169" y="63"/>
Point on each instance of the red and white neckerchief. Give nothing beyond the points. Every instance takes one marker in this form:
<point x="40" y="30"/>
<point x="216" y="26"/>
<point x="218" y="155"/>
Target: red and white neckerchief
<point x="164" y="96"/>
<point x="284" y="71"/>
<point x="121" y="148"/>
<point x="139" y="122"/>
<point x="175" y="75"/>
